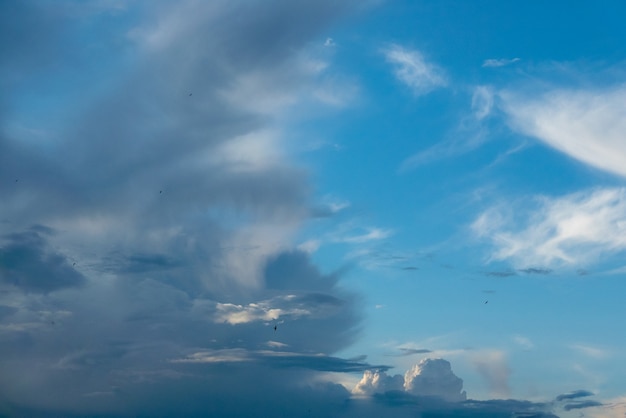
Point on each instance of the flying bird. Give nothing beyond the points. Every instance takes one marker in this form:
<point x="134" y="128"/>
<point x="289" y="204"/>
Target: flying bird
<point x="274" y="328"/>
<point x="486" y="302"/>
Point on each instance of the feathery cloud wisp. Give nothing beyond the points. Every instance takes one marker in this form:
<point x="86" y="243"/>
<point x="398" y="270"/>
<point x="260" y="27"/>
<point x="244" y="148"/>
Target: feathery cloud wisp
<point x="411" y="68"/>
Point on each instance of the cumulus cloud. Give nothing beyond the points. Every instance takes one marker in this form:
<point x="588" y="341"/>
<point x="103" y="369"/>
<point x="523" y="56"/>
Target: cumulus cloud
<point x="430" y="388"/>
<point x="575" y="229"/>
<point x="586" y="124"/>
<point x="434" y="377"/>
<point x="378" y="382"/>
<point x="412" y="69"/>
<point x="429" y="378"/>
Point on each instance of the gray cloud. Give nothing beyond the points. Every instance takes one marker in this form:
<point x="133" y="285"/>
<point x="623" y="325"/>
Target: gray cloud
<point x="28" y="262"/>
<point x="581" y="405"/>
<point x="574" y="395"/>
<point x="161" y="190"/>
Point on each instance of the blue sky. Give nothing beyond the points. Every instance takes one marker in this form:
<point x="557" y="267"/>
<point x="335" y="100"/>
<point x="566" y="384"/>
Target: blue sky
<point x="426" y="199"/>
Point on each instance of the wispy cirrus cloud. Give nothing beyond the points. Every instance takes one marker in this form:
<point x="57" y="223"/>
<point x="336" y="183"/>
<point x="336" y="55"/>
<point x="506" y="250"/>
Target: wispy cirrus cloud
<point x="587" y="124"/>
<point x="412" y="69"/>
<point x="499" y="62"/>
<point x="571" y="230"/>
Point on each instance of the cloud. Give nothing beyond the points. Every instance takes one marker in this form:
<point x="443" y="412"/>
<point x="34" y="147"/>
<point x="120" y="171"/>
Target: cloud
<point x="411" y="351"/>
<point x="430" y="389"/>
<point x="581" y="405"/>
<point x="155" y="214"/>
<point x="482" y="101"/>
<point x="572" y="230"/>
<point x="499" y="62"/>
<point x="378" y="382"/>
<point x="492" y="366"/>
<point x="471" y="133"/>
<point x="587" y="124"/>
<point x="591" y="351"/>
<point x="412" y="69"/>
<point x="28" y="262"/>
<point x="523" y="342"/>
<point x="434" y="377"/>
<point x="574" y="395"/>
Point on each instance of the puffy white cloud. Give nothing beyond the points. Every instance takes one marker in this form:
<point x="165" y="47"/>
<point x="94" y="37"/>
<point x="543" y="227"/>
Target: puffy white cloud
<point x="434" y="377"/>
<point x="586" y="124"/>
<point x="429" y="378"/>
<point x="576" y="229"/>
<point x="378" y="382"/>
<point x="411" y="68"/>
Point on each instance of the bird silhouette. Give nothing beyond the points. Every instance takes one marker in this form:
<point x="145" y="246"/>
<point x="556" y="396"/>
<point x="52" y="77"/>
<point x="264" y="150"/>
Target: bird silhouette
<point x="274" y="328"/>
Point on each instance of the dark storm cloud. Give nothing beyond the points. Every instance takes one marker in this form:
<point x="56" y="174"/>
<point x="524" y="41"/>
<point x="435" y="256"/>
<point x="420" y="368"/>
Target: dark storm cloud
<point x="28" y="262"/>
<point x="149" y="140"/>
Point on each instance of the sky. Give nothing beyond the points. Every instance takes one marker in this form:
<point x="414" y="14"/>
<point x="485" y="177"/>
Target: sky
<point x="314" y="208"/>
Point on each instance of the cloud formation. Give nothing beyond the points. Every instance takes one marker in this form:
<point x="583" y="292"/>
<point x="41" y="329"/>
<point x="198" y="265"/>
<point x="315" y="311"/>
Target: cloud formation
<point x="429" y="378"/>
<point x="587" y="124"/>
<point x="411" y="68"/>
<point x="499" y="62"/>
<point x="572" y="230"/>
<point x="147" y="222"/>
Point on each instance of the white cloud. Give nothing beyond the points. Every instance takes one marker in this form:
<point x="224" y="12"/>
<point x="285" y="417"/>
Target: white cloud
<point x="499" y="62"/>
<point x="586" y="124"/>
<point x="482" y="101"/>
<point x="278" y="308"/>
<point x="575" y="229"/>
<point x="429" y="378"/>
<point x="371" y="234"/>
<point x="378" y="382"/>
<point x="434" y="377"/>
<point x="412" y="69"/>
